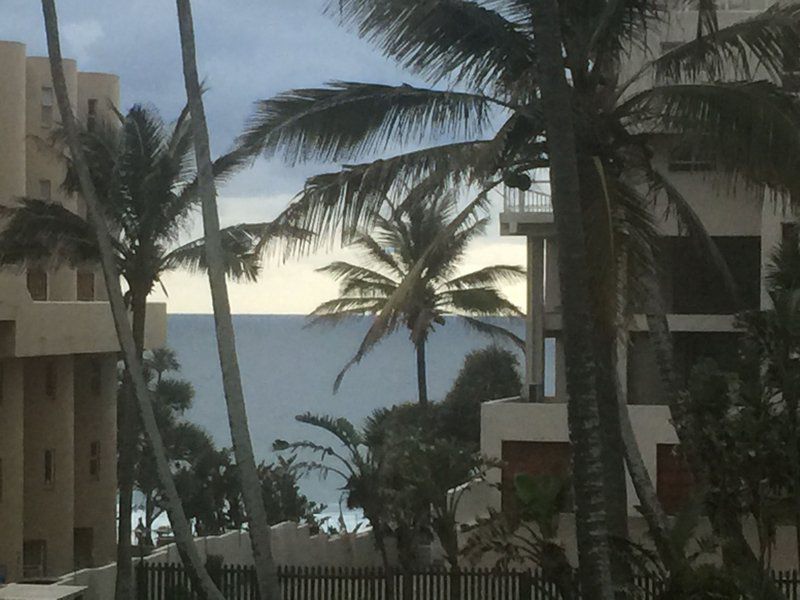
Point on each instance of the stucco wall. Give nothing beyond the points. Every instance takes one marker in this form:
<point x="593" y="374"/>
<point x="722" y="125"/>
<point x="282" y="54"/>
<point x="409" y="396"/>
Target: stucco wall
<point x="95" y="421"/>
<point x="49" y="424"/>
<point x="11" y="440"/>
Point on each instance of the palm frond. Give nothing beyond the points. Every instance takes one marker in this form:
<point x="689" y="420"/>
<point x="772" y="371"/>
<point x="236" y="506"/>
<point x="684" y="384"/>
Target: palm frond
<point x="344" y="271"/>
<point x="691" y="225"/>
<point x="346" y="120"/>
<point x="462" y="41"/>
<point x="769" y="40"/>
<point x="333" y="312"/>
<point x="37" y="231"/>
<point x="242" y="263"/>
<point x="495" y="331"/>
<point x="339" y="427"/>
<point x="389" y="315"/>
<point x="479" y="301"/>
<point x="748" y="127"/>
<point x="487" y="276"/>
<point x="347" y="201"/>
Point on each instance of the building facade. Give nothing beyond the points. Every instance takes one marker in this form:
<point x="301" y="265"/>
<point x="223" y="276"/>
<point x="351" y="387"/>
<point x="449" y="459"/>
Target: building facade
<point x="58" y="349"/>
<point x="530" y="433"/>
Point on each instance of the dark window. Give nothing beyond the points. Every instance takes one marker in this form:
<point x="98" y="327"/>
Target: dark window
<point x="668" y="46"/>
<point x="47" y="107"/>
<point x="83" y="547"/>
<point x="674" y="482"/>
<point x="37" y="284"/>
<point x="85" y="285"/>
<point x="91" y="114"/>
<point x="532" y="458"/>
<point x="94" y="460"/>
<point x="34" y="558"/>
<point x="692" y="283"/>
<point x="45" y="189"/>
<point x="789" y="233"/>
<point x="692" y="348"/>
<point x="50" y="380"/>
<point x="686" y="156"/>
<point x="97" y="377"/>
<point x="49" y="467"/>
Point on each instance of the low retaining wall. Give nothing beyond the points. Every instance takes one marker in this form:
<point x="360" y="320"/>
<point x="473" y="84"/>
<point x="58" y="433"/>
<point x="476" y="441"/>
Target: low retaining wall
<point x="292" y="544"/>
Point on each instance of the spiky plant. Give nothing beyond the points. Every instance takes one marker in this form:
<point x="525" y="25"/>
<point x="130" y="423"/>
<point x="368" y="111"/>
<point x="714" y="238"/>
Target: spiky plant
<point x="397" y="244"/>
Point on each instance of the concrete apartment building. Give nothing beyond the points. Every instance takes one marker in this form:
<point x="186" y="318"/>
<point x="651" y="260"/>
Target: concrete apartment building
<point x="58" y="349"/>
<point x="530" y="434"/>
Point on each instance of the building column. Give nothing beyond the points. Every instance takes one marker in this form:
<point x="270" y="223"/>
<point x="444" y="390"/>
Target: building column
<point x="534" y="322"/>
<point x="11" y="469"/>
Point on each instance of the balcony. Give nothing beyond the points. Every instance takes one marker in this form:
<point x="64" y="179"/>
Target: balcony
<point x="526" y="213"/>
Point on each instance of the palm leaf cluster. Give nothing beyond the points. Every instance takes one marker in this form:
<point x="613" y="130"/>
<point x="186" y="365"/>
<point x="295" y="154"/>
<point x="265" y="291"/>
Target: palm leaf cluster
<point x="143" y="171"/>
<point x="411" y="238"/>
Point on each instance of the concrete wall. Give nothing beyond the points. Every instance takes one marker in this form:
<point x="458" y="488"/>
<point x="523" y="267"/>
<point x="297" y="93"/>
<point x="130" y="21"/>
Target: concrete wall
<point x="292" y="545"/>
<point x="49" y="424"/>
<point x="95" y="421"/>
<point x="11" y="440"/>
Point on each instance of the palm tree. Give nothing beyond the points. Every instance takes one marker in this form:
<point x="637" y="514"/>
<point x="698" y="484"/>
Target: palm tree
<point x="700" y="93"/>
<point x="131" y="356"/>
<point x="214" y="253"/>
<point x="397" y="244"/>
<point x="142" y="173"/>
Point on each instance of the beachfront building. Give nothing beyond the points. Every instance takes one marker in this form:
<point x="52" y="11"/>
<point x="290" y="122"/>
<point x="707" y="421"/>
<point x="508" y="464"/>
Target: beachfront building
<point x="58" y="349"/>
<point x="530" y="433"/>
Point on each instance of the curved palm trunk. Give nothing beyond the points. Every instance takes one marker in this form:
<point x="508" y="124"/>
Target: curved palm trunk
<point x="127" y="437"/>
<point x="422" y="376"/>
<point x="226" y="342"/>
<point x="582" y="409"/>
<point x="180" y="525"/>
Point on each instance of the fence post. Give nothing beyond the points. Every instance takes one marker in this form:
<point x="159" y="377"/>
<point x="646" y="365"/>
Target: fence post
<point x="525" y="585"/>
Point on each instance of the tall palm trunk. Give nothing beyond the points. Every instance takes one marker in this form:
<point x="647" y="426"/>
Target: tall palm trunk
<point x="422" y="377"/>
<point x="180" y="525"/>
<point x="226" y="342"/>
<point x="128" y="427"/>
<point x="582" y="409"/>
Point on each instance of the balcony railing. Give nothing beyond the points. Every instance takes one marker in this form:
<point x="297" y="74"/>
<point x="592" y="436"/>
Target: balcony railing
<point x="519" y="201"/>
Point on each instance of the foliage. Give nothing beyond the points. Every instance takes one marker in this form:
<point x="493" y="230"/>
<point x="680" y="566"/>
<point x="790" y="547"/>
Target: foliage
<point x="398" y="244"/>
<point x="145" y="183"/>
<point x="487" y="374"/>
<point x="205" y="475"/>
<point x="400" y="472"/>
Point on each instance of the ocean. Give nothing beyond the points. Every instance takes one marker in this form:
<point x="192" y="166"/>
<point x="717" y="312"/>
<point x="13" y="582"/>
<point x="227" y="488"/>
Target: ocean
<point x="288" y="369"/>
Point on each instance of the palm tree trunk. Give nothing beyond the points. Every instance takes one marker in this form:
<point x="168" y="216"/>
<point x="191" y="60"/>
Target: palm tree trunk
<point x="422" y="377"/>
<point x="226" y="342"/>
<point x="128" y="427"/>
<point x="180" y="525"/>
<point x="584" y="421"/>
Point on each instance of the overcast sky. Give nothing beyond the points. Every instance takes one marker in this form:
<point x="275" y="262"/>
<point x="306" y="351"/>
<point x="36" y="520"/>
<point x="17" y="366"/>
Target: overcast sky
<point x="247" y="50"/>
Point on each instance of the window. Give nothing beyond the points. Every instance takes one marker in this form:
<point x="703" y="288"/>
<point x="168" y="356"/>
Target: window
<point x="688" y="157"/>
<point x="97" y="377"/>
<point x="47" y="107"/>
<point x="34" y="558"/>
<point x="94" y="460"/>
<point x="533" y="458"/>
<point x="669" y="46"/>
<point x="674" y="483"/>
<point x="91" y="114"/>
<point x="45" y="190"/>
<point x="50" y="380"/>
<point x="790" y="233"/>
<point x="37" y="284"/>
<point x="85" y="285"/>
<point x="49" y="467"/>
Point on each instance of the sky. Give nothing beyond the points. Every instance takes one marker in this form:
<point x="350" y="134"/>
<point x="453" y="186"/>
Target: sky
<point x="247" y="50"/>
